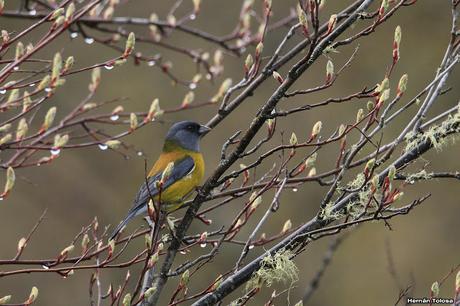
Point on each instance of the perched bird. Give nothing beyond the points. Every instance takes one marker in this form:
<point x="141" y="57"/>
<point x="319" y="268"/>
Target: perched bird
<point x="181" y="157"/>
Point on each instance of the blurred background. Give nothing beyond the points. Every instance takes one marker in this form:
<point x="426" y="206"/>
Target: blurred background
<point x="83" y="183"/>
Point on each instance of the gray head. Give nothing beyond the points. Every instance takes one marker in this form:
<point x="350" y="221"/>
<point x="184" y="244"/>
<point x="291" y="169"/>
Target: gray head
<point x="186" y="134"/>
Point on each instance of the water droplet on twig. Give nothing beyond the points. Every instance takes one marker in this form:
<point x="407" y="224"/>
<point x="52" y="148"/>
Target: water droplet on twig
<point x="151" y="63"/>
<point x="108" y="67"/>
<point x="103" y="146"/>
<point x="89" y="40"/>
<point x="55" y="151"/>
<point x="74" y="35"/>
<point x="114" y="117"/>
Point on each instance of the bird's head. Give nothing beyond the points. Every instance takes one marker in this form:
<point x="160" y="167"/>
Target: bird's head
<point x="186" y="134"/>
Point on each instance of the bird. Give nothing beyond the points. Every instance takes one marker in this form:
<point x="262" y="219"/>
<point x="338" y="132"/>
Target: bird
<point x="181" y="157"/>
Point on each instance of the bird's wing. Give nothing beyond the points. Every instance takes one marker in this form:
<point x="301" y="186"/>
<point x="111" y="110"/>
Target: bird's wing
<point x="182" y="168"/>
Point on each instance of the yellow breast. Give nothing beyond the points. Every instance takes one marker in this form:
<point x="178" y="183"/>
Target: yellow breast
<point x="172" y="196"/>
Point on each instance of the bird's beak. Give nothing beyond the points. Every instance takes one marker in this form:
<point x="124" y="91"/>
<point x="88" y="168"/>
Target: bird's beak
<point x="203" y="130"/>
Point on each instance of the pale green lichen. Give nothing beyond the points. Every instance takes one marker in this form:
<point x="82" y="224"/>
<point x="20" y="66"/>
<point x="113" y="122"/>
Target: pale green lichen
<point x="421" y="175"/>
<point x="277" y="268"/>
<point x="438" y="135"/>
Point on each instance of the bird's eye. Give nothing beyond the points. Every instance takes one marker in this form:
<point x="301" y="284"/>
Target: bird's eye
<point x="190" y="127"/>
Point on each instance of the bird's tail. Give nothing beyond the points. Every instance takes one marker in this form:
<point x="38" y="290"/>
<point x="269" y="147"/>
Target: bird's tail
<point x="122" y="224"/>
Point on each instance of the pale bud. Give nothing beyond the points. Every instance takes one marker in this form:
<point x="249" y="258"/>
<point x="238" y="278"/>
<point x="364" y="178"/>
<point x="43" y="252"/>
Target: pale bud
<point x="188" y="99"/>
<point x="59" y="21"/>
<point x="278" y="77"/>
<point x="6" y="138"/>
<point x="312" y="172"/>
<point x="384" y="96"/>
<point x="155" y="110"/>
<point x="127" y="300"/>
<point x="85" y="241"/>
<point x="133" y="123"/>
<point x="5" y="127"/>
<point x="22" y="129"/>
<point x="60" y="141"/>
<point x="149" y="292"/>
<point x="382" y="86"/>
<point x="7" y="298"/>
<point x="402" y="86"/>
<point x="435" y="289"/>
<point x="113" y="144"/>
<point x="130" y="42"/>
<point x="392" y="172"/>
<point x="316" y="129"/>
<point x="196" y="6"/>
<point x="19" y="50"/>
<point x="329" y="70"/>
<point x="57" y="66"/>
<point x="248" y="63"/>
<point x="370" y="164"/>
<point x="293" y="140"/>
<point x="259" y="49"/>
<point x="57" y="13"/>
<point x="44" y="82"/>
<point x="69" y="12"/>
<point x="370" y="105"/>
<point x="69" y="63"/>
<point x="398" y="196"/>
<point x="22" y="243"/>
<point x="332" y="22"/>
<point x="397" y="38"/>
<point x="14" y="95"/>
<point x="49" y="118"/>
<point x="33" y="295"/>
<point x="185" y="277"/>
<point x="5" y="36"/>
<point x="67" y="250"/>
<point x="359" y="115"/>
<point x="287" y="226"/>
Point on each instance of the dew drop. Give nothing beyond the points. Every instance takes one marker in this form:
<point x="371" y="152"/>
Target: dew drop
<point x="55" y="151"/>
<point x="151" y="63"/>
<point x="48" y="89"/>
<point x="139" y="153"/>
<point x="183" y="252"/>
<point x="192" y="17"/>
<point x="33" y="12"/>
<point x="114" y="117"/>
<point x="208" y="76"/>
<point x="3" y="91"/>
<point x="31" y="84"/>
<point x="74" y="35"/>
<point x="103" y="146"/>
<point x="1" y="198"/>
<point x="295" y="189"/>
<point x="251" y="247"/>
<point x="108" y="67"/>
<point x="192" y="86"/>
<point x="16" y="68"/>
<point x="89" y="40"/>
<point x="203" y="245"/>
<point x="45" y="267"/>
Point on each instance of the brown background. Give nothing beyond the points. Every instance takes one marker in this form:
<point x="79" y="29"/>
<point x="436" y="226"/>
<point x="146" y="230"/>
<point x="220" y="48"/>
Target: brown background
<point x="85" y="183"/>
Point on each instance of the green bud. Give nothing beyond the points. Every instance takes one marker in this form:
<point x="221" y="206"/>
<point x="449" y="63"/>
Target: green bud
<point x="57" y="66"/>
<point x="435" y="289"/>
<point x="69" y="12"/>
<point x="60" y="141"/>
<point x="293" y="139"/>
<point x="397" y="38"/>
<point x="130" y="42"/>
<point x="19" y="50"/>
<point x="10" y="179"/>
<point x="402" y="86"/>
<point x="44" y="82"/>
<point x="133" y="123"/>
<point x="14" y="95"/>
<point x="6" y="138"/>
<point x="57" y="13"/>
<point x="22" y="129"/>
<point x="5" y="127"/>
<point x="69" y="63"/>
<point x="49" y="118"/>
<point x="7" y="298"/>
<point x="359" y="115"/>
<point x="127" y="300"/>
<point x="113" y="144"/>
